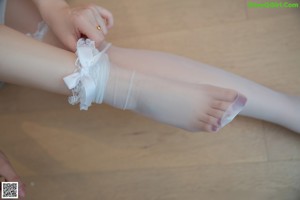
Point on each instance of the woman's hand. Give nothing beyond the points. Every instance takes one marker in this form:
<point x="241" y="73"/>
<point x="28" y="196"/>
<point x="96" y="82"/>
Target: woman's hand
<point x="9" y="174"/>
<point x="71" y="23"/>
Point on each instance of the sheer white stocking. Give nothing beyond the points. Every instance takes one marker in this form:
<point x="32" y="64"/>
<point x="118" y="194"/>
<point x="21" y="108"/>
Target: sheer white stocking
<point x="194" y="107"/>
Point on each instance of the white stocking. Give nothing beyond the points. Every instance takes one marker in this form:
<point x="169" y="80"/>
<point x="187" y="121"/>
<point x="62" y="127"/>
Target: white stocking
<point x="193" y="107"/>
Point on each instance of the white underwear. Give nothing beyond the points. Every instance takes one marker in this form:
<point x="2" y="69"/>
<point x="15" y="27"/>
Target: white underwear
<point x="42" y="29"/>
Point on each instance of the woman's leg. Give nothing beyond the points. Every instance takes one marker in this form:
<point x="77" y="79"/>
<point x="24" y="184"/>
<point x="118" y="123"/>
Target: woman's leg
<point x="25" y="61"/>
<point x="27" y="20"/>
<point x="197" y="107"/>
<point x="193" y="107"/>
<point x="263" y="103"/>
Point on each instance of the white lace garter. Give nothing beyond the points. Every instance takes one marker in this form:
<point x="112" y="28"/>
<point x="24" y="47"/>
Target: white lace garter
<point x="89" y="80"/>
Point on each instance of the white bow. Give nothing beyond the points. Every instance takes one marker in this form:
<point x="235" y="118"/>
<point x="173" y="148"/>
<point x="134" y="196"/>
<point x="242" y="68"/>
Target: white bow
<point x="89" y="81"/>
<point x="87" y="58"/>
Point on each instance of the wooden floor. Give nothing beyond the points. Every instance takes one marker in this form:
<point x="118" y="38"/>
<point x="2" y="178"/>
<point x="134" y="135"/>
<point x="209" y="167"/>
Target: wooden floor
<point x="108" y="154"/>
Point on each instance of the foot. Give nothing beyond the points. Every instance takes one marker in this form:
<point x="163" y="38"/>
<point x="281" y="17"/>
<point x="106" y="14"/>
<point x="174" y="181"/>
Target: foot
<point x="188" y="106"/>
<point x="192" y="107"/>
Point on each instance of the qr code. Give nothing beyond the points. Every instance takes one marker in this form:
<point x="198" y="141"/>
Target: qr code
<point x="9" y="190"/>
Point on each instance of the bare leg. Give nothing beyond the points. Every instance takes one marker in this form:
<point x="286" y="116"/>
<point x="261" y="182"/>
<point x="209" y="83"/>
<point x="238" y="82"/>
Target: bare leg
<point x="263" y="103"/>
<point x="27" y="20"/>
<point x="25" y="61"/>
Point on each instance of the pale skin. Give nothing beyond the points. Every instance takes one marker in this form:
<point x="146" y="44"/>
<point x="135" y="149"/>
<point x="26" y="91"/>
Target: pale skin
<point x="43" y="65"/>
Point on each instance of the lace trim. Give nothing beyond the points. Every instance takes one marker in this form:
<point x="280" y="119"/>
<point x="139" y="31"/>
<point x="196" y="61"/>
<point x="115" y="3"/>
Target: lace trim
<point x="88" y="82"/>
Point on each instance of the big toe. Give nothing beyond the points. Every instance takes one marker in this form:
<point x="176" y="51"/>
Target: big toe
<point x="234" y="109"/>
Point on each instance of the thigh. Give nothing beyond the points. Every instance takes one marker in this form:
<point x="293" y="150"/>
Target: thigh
<point x="22" y="16"/>
<point x="27" y="19"/>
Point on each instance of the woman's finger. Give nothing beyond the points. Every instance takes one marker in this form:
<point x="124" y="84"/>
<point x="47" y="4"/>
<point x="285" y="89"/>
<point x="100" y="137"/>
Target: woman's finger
<point x="107" y="15"/>
<point x="100" y="20"/>
<point x="90" y="30"/>
<point x="101" y="23"/>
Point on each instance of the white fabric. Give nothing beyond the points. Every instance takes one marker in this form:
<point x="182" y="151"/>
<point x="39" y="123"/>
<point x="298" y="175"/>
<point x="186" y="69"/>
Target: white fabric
<point x="88" y="82"/>
<point x="2" y="11"/>
<point x="129" y="91"/>
<point x="41" y="31"/>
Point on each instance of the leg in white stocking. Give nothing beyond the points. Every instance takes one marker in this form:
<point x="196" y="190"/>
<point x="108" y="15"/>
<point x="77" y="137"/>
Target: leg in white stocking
<point x="262" y="102"/>
<point x="194" y="107"/>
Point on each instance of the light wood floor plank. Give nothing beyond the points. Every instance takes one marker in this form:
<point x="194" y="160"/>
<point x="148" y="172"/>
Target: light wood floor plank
<point x="259" y="181"/>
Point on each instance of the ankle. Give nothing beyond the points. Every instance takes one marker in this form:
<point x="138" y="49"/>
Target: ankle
<point x="121" y="90"/>
<point x="88" y="82"/>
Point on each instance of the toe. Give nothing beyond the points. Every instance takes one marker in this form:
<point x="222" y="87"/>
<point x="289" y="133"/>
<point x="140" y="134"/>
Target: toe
<point x="216" y="113"/>
<point x="229" y="95"/>
<point x="233" y="110"/>
<point x="210" y="120"/>
<point x="202" y="126"/>
<point x="225" y="94"/>
<point x="220" y="105"/>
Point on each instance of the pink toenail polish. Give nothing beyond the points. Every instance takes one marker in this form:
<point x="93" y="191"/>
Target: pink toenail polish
<point x="214" y="129"/>
<point x="240" y="101"/>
